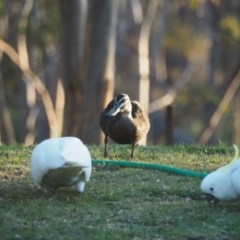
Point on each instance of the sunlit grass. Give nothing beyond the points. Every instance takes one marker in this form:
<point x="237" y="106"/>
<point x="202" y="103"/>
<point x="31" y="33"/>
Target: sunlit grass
<point x="118" y="203"/>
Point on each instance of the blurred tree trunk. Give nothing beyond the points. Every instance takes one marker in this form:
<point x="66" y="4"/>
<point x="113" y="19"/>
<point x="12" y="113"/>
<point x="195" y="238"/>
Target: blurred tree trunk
<point x="212" y="18"/>
<point x="143" y="57"/>
<point x="236" y="118"/>
<point x="101" y="67"/>
<point x="30" y="111"/>
<point x="157" y="71"/>
<point x="169" y="125"/>
<point x="158" y="68"/>
<point x="87" y="63"/>
<point x="14" y="93"/>
<point x="45" y="65"/>
<point x="7" y="134"/>
<point x="72" y="66"/>
<point x="20" y="90"/>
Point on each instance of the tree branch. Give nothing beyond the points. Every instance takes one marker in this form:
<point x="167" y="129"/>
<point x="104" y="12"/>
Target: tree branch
<point x="221" y="108"/>
<point x="35" y="81"/>
<point x="171" y="95"/>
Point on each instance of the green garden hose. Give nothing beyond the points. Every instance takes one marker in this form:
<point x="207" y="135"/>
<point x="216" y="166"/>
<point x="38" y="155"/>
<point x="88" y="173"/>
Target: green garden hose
<point x="151" y="166"/>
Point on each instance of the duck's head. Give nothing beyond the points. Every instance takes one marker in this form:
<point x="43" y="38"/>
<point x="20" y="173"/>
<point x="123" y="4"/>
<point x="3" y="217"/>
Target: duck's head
<point x="122" y="104"/>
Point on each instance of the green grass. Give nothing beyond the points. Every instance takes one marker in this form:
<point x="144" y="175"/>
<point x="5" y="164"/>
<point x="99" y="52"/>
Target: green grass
<point x="118" y="203"/>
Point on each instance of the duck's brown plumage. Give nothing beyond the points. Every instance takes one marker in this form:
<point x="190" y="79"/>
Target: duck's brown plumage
<point x="124" y="129"/>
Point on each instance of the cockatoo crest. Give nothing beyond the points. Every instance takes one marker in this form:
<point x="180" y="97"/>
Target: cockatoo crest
<point x="236" y="155"/>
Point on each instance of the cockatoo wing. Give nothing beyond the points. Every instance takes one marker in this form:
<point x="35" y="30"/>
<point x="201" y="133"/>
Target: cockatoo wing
<point x="45" y="156"/>
<point x="74" y="152"/>
<point x="54" y="153"/>
<point x="235" y="177"/>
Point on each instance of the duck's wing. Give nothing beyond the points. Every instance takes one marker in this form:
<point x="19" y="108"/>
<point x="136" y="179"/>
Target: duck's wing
<point x="137" y="110"/>
<point x="140" y="116"/>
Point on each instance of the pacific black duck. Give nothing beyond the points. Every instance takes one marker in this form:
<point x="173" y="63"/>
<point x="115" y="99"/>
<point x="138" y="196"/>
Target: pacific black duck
<point x="124" y="121"/>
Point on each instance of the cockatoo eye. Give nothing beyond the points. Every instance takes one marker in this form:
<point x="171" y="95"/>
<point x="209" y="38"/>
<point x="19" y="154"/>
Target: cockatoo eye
<point x="211" y="189"/>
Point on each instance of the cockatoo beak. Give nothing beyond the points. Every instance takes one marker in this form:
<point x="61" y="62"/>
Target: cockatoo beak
<point x="211" y="199"/>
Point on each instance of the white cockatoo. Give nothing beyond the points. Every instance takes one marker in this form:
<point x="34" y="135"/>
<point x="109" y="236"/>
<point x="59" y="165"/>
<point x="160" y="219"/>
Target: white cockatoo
<point x="223" y="183"/>
<point x="62" y="161"/>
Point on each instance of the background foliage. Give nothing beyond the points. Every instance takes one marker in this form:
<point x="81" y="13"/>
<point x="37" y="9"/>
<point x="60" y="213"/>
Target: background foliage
<point x="92" y="51"/>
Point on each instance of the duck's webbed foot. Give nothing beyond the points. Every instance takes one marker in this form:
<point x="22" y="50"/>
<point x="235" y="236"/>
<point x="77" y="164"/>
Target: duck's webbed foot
<point x="105" y="146"/>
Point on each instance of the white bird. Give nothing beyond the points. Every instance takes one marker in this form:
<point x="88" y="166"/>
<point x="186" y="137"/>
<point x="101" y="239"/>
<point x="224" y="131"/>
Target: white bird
<point x="223" y="183"/>
<point x="63" y="161"/>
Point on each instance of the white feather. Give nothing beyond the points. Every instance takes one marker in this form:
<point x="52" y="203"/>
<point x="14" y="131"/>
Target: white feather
<point x="224" y="183"/>
<point x="57" y="152"/>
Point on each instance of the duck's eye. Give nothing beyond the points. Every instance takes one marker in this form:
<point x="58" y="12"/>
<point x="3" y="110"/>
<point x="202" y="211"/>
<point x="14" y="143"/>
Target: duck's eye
<point x="211" y="189"/>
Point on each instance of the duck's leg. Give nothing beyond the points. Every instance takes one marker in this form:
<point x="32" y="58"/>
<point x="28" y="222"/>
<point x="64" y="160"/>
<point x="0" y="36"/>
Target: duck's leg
<point x="105" y="146"/>
<point x="133" y="146"/>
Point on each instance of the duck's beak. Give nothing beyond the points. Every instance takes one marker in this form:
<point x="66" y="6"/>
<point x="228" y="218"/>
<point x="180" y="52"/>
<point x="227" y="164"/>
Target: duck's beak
<point x="211" y="199"/>
<point x="114" y="111"/>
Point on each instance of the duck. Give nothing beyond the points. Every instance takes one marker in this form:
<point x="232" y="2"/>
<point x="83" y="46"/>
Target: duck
<point x="124" y="121"/>
<point x="60" y="162"/>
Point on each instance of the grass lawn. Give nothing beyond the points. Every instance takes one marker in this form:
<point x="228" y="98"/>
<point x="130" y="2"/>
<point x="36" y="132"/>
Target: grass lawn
<point x="118" y="203"/>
